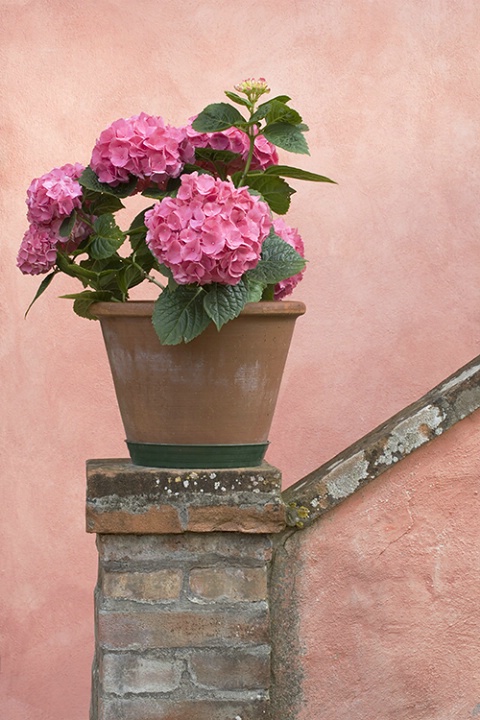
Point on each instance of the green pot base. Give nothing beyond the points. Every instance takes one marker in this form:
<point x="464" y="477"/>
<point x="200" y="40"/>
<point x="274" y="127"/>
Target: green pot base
<point x="162" y="455"/>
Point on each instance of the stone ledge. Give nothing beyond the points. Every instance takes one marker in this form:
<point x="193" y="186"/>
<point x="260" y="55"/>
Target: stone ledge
<point x="449" y="402"/>
<point x="124" y="498"/>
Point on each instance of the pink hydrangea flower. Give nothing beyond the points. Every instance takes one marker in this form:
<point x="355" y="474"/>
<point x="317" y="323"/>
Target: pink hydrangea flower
<point x="38" y="250"/>
<point x="54" y="195"/>
<point x="37" y="254"/>
<point x="291" y="236"/>
<point x="211" y="232"/>
<point x="235" y="140"/>
<point x="142" y="146"/>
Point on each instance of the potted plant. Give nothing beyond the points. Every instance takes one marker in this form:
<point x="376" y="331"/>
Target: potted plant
<point x="210" y="241"/>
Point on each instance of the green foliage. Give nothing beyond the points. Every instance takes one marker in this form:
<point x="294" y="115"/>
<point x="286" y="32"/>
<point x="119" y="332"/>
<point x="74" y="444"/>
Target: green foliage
<point x="107" y="237"/>
<point x="83" y="302"/>
<point x="279" y="261"/>
<point x="225" y="302"/>
<point x="41" y="289"/>
<point x="89" y="180"/>
<point x="180" y="316"/>
<point x="287" y="136"/>
<point x="296" y="173"/>
<point x="67" y="225"/>
<point x="274" y="190"/>
<point x="217" y="117"/>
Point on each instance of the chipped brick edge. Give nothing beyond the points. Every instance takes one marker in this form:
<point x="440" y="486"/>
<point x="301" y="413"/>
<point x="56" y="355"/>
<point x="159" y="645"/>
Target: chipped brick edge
<point x="452" y="400"/>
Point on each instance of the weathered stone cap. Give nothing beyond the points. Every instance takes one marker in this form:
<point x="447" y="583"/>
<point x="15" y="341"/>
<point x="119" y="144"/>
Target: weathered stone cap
<point x="454" y="399"/>
<point x="126" y="498"/>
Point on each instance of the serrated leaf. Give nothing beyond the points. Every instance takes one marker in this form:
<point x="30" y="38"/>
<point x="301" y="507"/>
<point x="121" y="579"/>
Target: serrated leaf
<point x="88" y="179"/>
<point x="225" y="302"/>
<point x="107" y="237"/>
<point x="279" y="261"/>
<point x="286" y="136"/>
<point x="297" y="173"/>
<point x="236" y="98"/>
<point x="274" y="190"/>
<point x="84" y="301"/>
<point x="67" y="225"/>
<point x="255" y="289"/>
<point x="157" y="193"/>
<point x="179" y="316"/>
<point x="216" y="156"/>
<point x="101" y="204"/>
<point x="276" y="111"/>
<point x="217" y="117"/>
<point x="41" y="289"/>
<point x="262" y="110"/>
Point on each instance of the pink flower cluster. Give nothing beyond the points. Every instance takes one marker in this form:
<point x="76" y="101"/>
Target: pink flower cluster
<point x="50" y="199"/>
<point x="235" y="140"/>
<point x="291" y="236"/>
<point x="211" y="232"/>
<point x="55" y="195"/>
<point x="142" y="146"/>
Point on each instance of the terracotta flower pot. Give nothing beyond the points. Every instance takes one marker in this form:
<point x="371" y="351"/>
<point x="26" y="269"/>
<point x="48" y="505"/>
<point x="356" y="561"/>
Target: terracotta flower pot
<point x="207" y="403"/>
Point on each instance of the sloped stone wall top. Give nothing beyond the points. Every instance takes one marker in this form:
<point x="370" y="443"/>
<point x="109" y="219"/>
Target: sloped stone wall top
<point x="449" y="402"/>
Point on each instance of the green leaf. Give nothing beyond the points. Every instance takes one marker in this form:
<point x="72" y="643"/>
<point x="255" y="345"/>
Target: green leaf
<point x="159" y="193"/>
<point x="84" y="300"/>
<point x="216" y="156"/>
<point x="262" y="110"/>
<point x="286" y="136"/>
<point x="99" y="204"/>
<point x="279" y="261"/>
<point x="67" y="225"/>
<point x="297" y="173"/>
<point x="129" y="276"/>
<point x="41" y="289"/>
<point x="155" y="193"/>
<point x="276" y="111"/>
<point x="237" y="99"/>
<point x="217" y="117"/>
<point x="179" y="316"/>
<point x="89" y="180"/>
<point x="255" y="289"/>
<point x="107" y="237"/>
<point x="275" y="191"/>
<point x="189" y="168"/>
<point x="225" y="302"/>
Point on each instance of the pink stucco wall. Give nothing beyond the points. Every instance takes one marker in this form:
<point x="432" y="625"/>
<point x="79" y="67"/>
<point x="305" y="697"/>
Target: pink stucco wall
<point x="387" y="592"/>
<point x="390" y="91"/>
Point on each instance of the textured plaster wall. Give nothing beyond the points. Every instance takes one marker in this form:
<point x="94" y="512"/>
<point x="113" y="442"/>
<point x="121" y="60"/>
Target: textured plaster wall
<point x="386" y="594"/>
<point x="390" y="91"/>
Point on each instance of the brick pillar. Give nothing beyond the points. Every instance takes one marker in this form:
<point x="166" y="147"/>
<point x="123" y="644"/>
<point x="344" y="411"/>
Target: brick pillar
<point x="181" y="604"/>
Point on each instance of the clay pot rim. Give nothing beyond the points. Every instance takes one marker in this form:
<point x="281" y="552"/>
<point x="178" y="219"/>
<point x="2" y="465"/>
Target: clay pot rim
<point x="144" y="308"/>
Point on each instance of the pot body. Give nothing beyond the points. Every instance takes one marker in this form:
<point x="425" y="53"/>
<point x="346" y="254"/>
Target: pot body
<point x="207" y="403"/>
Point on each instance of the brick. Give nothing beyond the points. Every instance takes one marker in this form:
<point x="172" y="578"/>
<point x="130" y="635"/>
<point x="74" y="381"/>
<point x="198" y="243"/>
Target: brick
<point x="123" y="673"/>
<point x="153" y="519"/>
<point x="231" y="670"/>
<point x="155" y="708"/>
<point x="142" y="630"/>
<point x="229" y="583"/>
<point x="157" y="586"/>
<point x="152" y="548"/>
<point x="269" y="518"/>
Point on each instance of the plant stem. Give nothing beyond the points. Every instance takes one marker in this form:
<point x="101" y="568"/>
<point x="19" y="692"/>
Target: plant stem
<point x="147" y="276"/>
